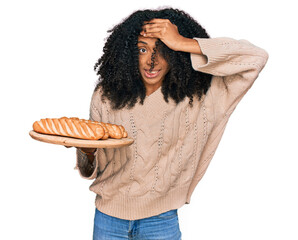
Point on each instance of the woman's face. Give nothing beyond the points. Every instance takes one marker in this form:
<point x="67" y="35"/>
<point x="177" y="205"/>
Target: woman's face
<point x="152" y="78"/>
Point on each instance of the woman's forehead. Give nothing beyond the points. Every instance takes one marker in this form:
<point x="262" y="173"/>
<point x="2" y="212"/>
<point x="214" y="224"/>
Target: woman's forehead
<point x="147" y="41"/>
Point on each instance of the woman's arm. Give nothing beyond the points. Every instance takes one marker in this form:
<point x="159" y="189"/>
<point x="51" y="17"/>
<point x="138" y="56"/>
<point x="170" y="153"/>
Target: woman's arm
<point x="235" y="64"/>
<point x="86" y="160"/>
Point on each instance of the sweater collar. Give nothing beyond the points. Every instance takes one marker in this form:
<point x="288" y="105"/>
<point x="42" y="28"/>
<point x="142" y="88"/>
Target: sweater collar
<point x="154" y="105"/>
<point x="155" y="92"/>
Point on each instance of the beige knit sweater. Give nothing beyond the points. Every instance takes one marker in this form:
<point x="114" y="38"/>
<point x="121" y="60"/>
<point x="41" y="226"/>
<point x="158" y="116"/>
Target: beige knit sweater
<point x="173" y="143"/>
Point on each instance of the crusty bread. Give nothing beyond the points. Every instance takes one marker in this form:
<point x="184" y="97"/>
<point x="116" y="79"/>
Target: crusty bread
<point x="114" y="130"/>
<point x="79" y="128"/>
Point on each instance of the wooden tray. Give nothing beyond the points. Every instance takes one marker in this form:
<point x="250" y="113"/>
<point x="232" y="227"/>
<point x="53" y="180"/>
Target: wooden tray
<point x="75" y="142"/>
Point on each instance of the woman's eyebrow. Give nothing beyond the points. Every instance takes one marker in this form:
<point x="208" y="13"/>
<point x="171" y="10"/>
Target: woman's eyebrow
<point x="142" y="42"/>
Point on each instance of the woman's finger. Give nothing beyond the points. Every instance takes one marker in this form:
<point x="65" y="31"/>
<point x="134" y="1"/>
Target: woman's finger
<point x="153" y="30"/>
<point x="150" y="27"/>
<point x="151" y="34"/>
<point x="157" y="33"/>
<point x="157" y="20"/>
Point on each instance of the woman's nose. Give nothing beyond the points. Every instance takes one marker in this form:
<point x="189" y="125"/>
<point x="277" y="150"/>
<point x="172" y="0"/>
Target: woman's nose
<point x="152" y="59"/>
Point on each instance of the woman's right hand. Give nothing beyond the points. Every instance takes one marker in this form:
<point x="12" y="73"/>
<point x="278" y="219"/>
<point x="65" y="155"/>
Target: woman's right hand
<point x="89" y="153"/>
<point x="87" y="150"/>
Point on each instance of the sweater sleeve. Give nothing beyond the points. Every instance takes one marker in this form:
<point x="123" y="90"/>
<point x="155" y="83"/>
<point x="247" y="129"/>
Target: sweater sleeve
<point x="235" y="64"/>
<point x="86" y="169"/>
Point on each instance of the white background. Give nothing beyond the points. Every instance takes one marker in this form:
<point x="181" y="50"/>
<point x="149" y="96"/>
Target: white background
<point x="47" y="53"/>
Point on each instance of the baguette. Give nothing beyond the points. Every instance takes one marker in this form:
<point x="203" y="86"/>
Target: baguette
<point x="114" y="130"/>
<point x="69" y="127"/>
<point x="79" y="128"/>
<point x="111" y="130"/>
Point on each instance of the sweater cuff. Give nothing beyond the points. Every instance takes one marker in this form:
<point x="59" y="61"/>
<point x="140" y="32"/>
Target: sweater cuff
<point x="210" y="50"/>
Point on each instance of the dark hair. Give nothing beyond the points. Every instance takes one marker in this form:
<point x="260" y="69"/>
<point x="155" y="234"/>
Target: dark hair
<point x="118" y="68"/>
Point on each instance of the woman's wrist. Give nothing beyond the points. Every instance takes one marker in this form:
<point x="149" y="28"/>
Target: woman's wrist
<point x="190" y="45"/>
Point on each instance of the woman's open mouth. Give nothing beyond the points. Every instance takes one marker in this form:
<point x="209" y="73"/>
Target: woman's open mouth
<point x="151" y="74"/>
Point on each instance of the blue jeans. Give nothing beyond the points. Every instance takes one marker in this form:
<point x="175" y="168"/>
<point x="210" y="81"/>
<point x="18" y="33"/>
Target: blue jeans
<point x="164" y="226"/>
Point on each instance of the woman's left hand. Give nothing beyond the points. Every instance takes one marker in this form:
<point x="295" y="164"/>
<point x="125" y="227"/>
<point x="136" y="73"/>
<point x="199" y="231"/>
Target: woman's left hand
<point x="166" y="31"/>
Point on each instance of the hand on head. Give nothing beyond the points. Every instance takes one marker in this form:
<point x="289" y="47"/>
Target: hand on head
<point x="163" y="29"/>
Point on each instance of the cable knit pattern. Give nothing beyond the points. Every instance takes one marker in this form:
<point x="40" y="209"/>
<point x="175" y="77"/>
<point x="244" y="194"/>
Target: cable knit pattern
<point x="173" y="143"/>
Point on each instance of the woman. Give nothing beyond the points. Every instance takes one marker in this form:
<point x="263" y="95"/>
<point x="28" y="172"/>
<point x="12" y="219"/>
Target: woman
<point x="173" y="88"/>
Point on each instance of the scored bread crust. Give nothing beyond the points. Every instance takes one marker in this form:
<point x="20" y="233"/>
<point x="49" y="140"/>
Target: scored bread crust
<point x="79" y="128"/>
<point x="114" y="130"/>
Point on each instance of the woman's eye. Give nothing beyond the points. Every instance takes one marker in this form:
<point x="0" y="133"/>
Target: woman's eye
<point x="142" y="50"/>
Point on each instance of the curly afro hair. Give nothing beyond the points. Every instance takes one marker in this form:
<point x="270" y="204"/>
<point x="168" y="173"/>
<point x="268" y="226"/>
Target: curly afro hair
<point x="118" y="68"/>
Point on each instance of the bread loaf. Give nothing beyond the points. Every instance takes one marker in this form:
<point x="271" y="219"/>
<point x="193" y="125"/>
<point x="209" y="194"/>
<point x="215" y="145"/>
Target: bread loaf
<point x="79" y="128"/>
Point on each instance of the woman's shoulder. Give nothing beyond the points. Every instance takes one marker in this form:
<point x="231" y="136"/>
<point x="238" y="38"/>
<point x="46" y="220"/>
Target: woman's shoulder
<point x="98" y="95"/>
<point x="99" y="101"/>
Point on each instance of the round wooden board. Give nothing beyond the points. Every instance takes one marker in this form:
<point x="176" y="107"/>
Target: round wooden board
<point x="74" y="142"/>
